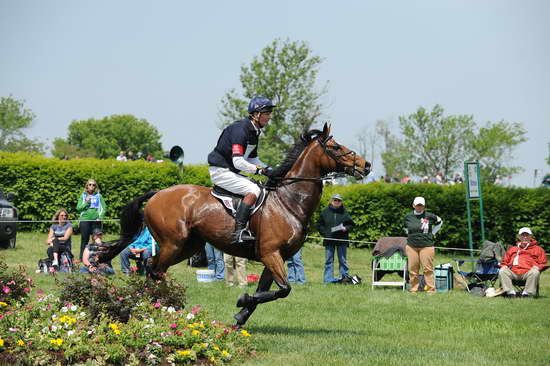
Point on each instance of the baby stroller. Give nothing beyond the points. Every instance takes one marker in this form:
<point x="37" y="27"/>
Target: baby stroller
<point x="485" y="272"/>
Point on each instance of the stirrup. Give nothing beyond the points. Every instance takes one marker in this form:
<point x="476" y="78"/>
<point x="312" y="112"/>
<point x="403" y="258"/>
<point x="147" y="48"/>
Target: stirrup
<point x="241" y="236"/>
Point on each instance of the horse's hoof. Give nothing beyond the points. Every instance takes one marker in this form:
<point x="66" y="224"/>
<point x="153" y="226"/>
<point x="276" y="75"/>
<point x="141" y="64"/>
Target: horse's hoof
<point x="244" y="300"/>
<point x="241" y="317"/>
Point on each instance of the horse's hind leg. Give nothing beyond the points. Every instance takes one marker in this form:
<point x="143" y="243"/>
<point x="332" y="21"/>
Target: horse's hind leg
<point x="273" y="271"/>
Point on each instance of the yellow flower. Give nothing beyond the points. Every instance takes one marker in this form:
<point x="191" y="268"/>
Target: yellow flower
<point x="3" y="303"/>
<point x="216" y="348"/>
<point x="20" y="342"/>
<point x="212" y="359"/>
<point x="225" y="353"/>
<point x="245" y="333"/>
<point x="114" y="327"/>
<point x="191" y="326"/>
<point x="57" y="342"/>
<point x="67" y="319"/>
<point x="204" y="345"/>
<point x="195" y="332"/>
<point x="184" y="353"/>
<point x="1" y="342"/>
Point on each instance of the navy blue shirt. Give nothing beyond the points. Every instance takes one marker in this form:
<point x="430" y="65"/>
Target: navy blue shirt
<point x="238" y="139"/>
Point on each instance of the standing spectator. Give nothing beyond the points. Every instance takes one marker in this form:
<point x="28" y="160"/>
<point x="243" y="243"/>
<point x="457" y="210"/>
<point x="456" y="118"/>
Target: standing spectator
<point x="121" y="156"/>
<point x="141" y="249"/>
<point x="296" y="273"/>
<point x="214" y="258"/>
<point x="59" y="237"/>
<point x="235" y="265"/>
<point x="523" y="262"/>
<point x="458" y="178"/>
<point x="421" y="226"/>
<point x="92" y="209"/>
<point x="335" y="223"/>
<point x="89" y="258"/>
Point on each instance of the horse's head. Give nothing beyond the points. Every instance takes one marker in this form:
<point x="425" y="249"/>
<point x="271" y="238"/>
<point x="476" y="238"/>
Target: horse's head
<point x="340" y="158"/>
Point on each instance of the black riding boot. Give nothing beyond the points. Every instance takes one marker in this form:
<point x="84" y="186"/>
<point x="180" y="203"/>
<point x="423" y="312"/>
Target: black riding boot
<point x="240" y="234"/>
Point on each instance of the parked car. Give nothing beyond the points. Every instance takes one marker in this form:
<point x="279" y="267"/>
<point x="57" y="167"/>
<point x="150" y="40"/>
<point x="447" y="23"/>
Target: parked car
<point x="8" y="218"/>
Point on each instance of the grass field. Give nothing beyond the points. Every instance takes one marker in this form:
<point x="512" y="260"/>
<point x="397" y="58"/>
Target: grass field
<point x="320" y="324"/>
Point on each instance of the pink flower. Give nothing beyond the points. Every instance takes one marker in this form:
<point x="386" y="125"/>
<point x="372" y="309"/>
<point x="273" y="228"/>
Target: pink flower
<point x="6" y="289"/>
<point x="40" y="292"/>
<point x="26" y="289"/>
<point x="196" y="309"/>
<point x="157" y="305"/>
<point x="173" y="325"/>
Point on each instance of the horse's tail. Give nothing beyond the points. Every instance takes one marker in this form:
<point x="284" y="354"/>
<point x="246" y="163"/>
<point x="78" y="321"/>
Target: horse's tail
<point x="131" y="222"/>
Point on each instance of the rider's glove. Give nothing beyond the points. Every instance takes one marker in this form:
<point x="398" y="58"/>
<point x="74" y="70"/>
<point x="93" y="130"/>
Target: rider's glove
<point x="267" y="171"/>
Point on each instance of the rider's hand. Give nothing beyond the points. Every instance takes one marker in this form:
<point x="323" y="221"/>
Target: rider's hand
<point x="267" y="171"/>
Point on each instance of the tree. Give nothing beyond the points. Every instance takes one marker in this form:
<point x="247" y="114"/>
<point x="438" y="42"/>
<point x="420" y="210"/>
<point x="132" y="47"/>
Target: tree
<point x="106" y="137"/>
<point x="285" y="72"/>
<point x="14" y="117"/>
<point x="434" y="143"/>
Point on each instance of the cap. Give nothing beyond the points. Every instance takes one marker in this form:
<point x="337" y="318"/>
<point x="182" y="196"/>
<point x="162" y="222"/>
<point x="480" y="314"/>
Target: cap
<point x="419" y="201"/>
<point x="337" y="197"/>
<point x="97" y="231"/>
<point x="525" y="230"/>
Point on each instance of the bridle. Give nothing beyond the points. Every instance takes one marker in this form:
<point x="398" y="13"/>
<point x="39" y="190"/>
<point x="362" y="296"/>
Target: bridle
<point x="336" y="157"/>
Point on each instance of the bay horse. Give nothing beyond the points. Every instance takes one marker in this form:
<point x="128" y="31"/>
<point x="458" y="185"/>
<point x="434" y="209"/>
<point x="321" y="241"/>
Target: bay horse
<point x="183" y="217"/>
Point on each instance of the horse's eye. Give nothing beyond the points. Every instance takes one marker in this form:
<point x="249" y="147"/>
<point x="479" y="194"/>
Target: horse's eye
<point x="336" y="147"/>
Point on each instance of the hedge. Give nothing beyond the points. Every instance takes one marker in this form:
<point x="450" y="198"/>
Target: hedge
<point x="43" y="185"/>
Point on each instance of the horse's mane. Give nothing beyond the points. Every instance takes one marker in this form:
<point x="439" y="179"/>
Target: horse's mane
<point x="294" y="152"/>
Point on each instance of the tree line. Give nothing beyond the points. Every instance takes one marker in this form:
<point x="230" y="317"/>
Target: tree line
<point x="426" y="141"/>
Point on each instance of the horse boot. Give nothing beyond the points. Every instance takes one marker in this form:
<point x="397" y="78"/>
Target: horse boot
<point x="241" y="234"/>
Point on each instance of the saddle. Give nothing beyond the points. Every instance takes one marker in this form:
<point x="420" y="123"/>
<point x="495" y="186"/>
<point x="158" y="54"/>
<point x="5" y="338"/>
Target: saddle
<point x="231" y="201"/>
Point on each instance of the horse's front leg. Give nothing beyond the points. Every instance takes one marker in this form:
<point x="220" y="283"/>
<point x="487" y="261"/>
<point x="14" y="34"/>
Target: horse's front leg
<point x="273" y="271"/>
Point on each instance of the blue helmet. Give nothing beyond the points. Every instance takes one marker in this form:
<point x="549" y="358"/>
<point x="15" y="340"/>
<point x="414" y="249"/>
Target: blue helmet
<point x="260" y="104"/>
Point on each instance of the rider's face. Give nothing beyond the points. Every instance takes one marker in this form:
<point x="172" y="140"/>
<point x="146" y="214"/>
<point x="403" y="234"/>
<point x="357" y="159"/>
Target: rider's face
<point x="263" y="119"/>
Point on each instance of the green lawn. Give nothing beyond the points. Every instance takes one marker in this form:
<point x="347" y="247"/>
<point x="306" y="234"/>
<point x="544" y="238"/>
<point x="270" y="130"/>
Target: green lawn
<point x="321" y="324"/>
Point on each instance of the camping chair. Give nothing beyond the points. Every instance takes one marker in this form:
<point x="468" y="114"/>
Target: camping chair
<point x="484" y="276"/>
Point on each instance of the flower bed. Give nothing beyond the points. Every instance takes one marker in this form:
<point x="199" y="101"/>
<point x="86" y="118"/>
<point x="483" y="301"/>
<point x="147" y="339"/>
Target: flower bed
<point x="47" y="330"/>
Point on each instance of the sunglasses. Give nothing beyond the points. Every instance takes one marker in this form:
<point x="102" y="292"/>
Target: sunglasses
<point x="92" y="185"/>
<point x="62" y="215"/>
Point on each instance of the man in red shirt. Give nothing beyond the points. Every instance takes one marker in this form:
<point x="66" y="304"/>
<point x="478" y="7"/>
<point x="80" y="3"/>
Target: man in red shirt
<point x="524" y="262"/>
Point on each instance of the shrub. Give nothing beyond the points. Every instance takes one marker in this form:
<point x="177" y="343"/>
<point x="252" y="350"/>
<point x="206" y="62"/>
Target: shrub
<point x="15" y="285"/>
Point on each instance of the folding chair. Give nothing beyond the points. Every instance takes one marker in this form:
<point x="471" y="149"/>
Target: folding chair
<point x="382" y="266"/>
<point x="520" y="284"/>
<point x="485" y="274"/>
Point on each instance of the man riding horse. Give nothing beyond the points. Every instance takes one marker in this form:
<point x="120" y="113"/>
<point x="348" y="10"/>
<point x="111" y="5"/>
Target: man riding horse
<point x="236" y="151"/>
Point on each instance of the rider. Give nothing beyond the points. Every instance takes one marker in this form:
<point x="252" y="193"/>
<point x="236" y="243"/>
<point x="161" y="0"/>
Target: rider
<point x="237" y="150"/>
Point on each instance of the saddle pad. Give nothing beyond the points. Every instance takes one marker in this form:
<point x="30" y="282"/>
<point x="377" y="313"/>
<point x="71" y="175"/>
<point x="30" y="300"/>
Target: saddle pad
<point x="232" y="200"/>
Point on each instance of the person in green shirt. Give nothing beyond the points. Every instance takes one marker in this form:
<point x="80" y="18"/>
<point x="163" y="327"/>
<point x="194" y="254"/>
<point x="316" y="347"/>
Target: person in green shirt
<point x="92" y="209"/>
<point x="421" y="226"/>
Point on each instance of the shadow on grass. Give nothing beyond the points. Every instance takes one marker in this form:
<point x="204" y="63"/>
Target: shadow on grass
<point x="300" y="330"/>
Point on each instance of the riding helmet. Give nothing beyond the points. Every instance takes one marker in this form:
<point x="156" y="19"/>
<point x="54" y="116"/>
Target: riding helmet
<point x="260" y="104"/>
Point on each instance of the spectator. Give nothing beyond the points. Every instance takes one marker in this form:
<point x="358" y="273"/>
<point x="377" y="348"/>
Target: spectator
<point x="335" y="223"/>
<point x="498" y="180"/>
<point x="150" y="158"/>
<point x="121" y="156"/>
<point x="425" y="180"/>
<point x="59" y="237"/>
<point x="296" y="273"/>
<point x="214" y="258"/>
<point x="523" y="262"/>
<point x="89" y="258"/>
<point x="235" y="265"/>
<point x="458" y="178"/>
<point x="439" y="178"/>
<point x="131" y="156"/>
<point x="141" y="249"/>
<point x="421" y="226"/>
<point x="92" y="209"/>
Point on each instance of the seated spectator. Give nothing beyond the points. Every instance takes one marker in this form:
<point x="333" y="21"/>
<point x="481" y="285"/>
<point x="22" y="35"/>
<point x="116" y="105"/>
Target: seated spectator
<point x="131" y="156"/>
<point x="121" y="156"/>
<point x="522" y="262"/>
<point x="140" y="249"/>
<point x="89" y="258"/>
<point x="59" y="237"/>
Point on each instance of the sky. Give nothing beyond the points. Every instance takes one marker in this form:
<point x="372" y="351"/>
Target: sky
<point x="171" y="62"/>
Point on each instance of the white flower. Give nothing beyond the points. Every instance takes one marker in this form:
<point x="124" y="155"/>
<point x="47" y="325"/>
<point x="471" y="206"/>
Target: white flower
<point x="82" y="314"/>
<point x="54" y="317"/>
<point x="45" y="330"/>
<point x="54" y="328"/>
<point x="70" y="333"/>
<point x="64" y="309"/>
<point x="151" y="320"/>
<point x="171" y="309"/>
<point x="190" y="316"/>
<point x="163" y="308"/>
<point x="74" y="307"/>
<point x="146" y="326"/>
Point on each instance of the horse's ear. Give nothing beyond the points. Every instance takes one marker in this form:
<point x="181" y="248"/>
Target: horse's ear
<point x="326" y="130"/>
